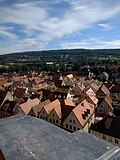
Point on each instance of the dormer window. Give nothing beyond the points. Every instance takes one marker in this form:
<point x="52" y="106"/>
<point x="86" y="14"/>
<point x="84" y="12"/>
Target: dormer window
<point x="88" y="111"/>
<point x="82" y="104"/>
<point x="59" y="96"/>
<point x="83" y="116"/>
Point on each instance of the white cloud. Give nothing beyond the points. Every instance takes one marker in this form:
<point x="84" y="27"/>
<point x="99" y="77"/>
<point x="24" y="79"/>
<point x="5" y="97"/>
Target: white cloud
<point x="92" y="43"/>
<point x="105" y="26"/>
<point x="20" y="46"/>
<point x="42" y="24"/>
<point x="110" y="44"/>
<point x="73" y="45"/>
<point x="5" y="32"/>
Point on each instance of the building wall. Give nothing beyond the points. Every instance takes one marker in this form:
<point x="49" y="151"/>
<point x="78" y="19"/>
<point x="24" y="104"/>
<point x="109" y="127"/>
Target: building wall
<point x="4" y="114"/>
<point x="43" y="114"/>
<point x="89" y="122"/>
<point x="100" y="94"/>
<point x="32" y="113"/>
<point x="116" y="104"/>
<point x="71" y="123"/>
<point x="86" y="128"/>
<point x="8" y="97"/>
<point x="104" y="108"/>
<point x="107" y="138"/>
<point x="115" y="95"/>
<point x="53" y="118"/>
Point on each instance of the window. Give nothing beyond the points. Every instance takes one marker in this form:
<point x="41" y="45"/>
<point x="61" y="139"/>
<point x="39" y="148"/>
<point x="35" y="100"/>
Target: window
<point x="78" y="128"/>
<point x="70" y="127"/>
<point x="104" y="137"/>
<point x="53" y="121"/>
<point x="116" y="141"/>
<point x="98" y="134"/>
<point x="70" y="120"/>
<point x="57" y="121"/>
<point x="59" y="96"/>
<point x="110" y="139"/>
<point x="53" y="114"/>
<point x="50" y="120"/>
<point x="73" y="121"/>
<point x="74" y="128"/>
<point x="66" y="125"/>
<point x="83" y="116"/>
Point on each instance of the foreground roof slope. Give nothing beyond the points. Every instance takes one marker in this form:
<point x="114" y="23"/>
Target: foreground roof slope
<point x="26" y="137"/>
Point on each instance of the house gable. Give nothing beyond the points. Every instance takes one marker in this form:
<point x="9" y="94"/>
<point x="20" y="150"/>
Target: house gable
<point x="18" y="110"/>
<point x="104" y="107"/>
<point x="54" y="118"/>
<point x="100" y="93"/>
<point x="32" y="113"/>
<point x="8" y="96"/>
<point x="43" y="114"/>
<point x="72" y="123"/>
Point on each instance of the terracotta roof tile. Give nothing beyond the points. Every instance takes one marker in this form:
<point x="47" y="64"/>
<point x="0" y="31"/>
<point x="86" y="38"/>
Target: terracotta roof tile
<point x="70" y="76"/>
<point x="105" y="90"/>
<point x="51" y="105"/>
<point x="58" y="110"/>
<point x="80" y="111"/>
<point x="38" y="107"/>
<point x="26" y="107"/>
<point x="109" y="101"/>
<point x="1" y="88"/>
<point x="7" y="84"/>
<point x="2" y="81"/>
<point x="69" y="102"/>
<point x="95" y="86"/>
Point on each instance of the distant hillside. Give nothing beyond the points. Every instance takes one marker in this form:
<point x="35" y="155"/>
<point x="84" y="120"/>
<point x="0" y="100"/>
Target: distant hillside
<point x="56" y="55"/>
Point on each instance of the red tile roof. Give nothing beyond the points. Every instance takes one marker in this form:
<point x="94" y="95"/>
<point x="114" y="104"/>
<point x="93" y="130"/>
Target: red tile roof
<point x="26" y="107"/>
<point x="52" y="105"/>
<point x="83" y="112"/>
<point x="69" y="102"/>
<point x="38" y="107"/>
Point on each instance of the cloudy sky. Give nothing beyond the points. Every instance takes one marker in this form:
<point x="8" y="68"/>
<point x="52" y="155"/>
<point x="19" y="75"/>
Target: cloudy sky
<point x="58" y="24"/>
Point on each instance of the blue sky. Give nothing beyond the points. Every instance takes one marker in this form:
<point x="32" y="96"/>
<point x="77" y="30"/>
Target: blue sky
<point x="58" y="24"/>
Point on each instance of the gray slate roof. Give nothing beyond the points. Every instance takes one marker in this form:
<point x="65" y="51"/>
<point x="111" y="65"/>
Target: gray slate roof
<point x="29" y="138"/>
